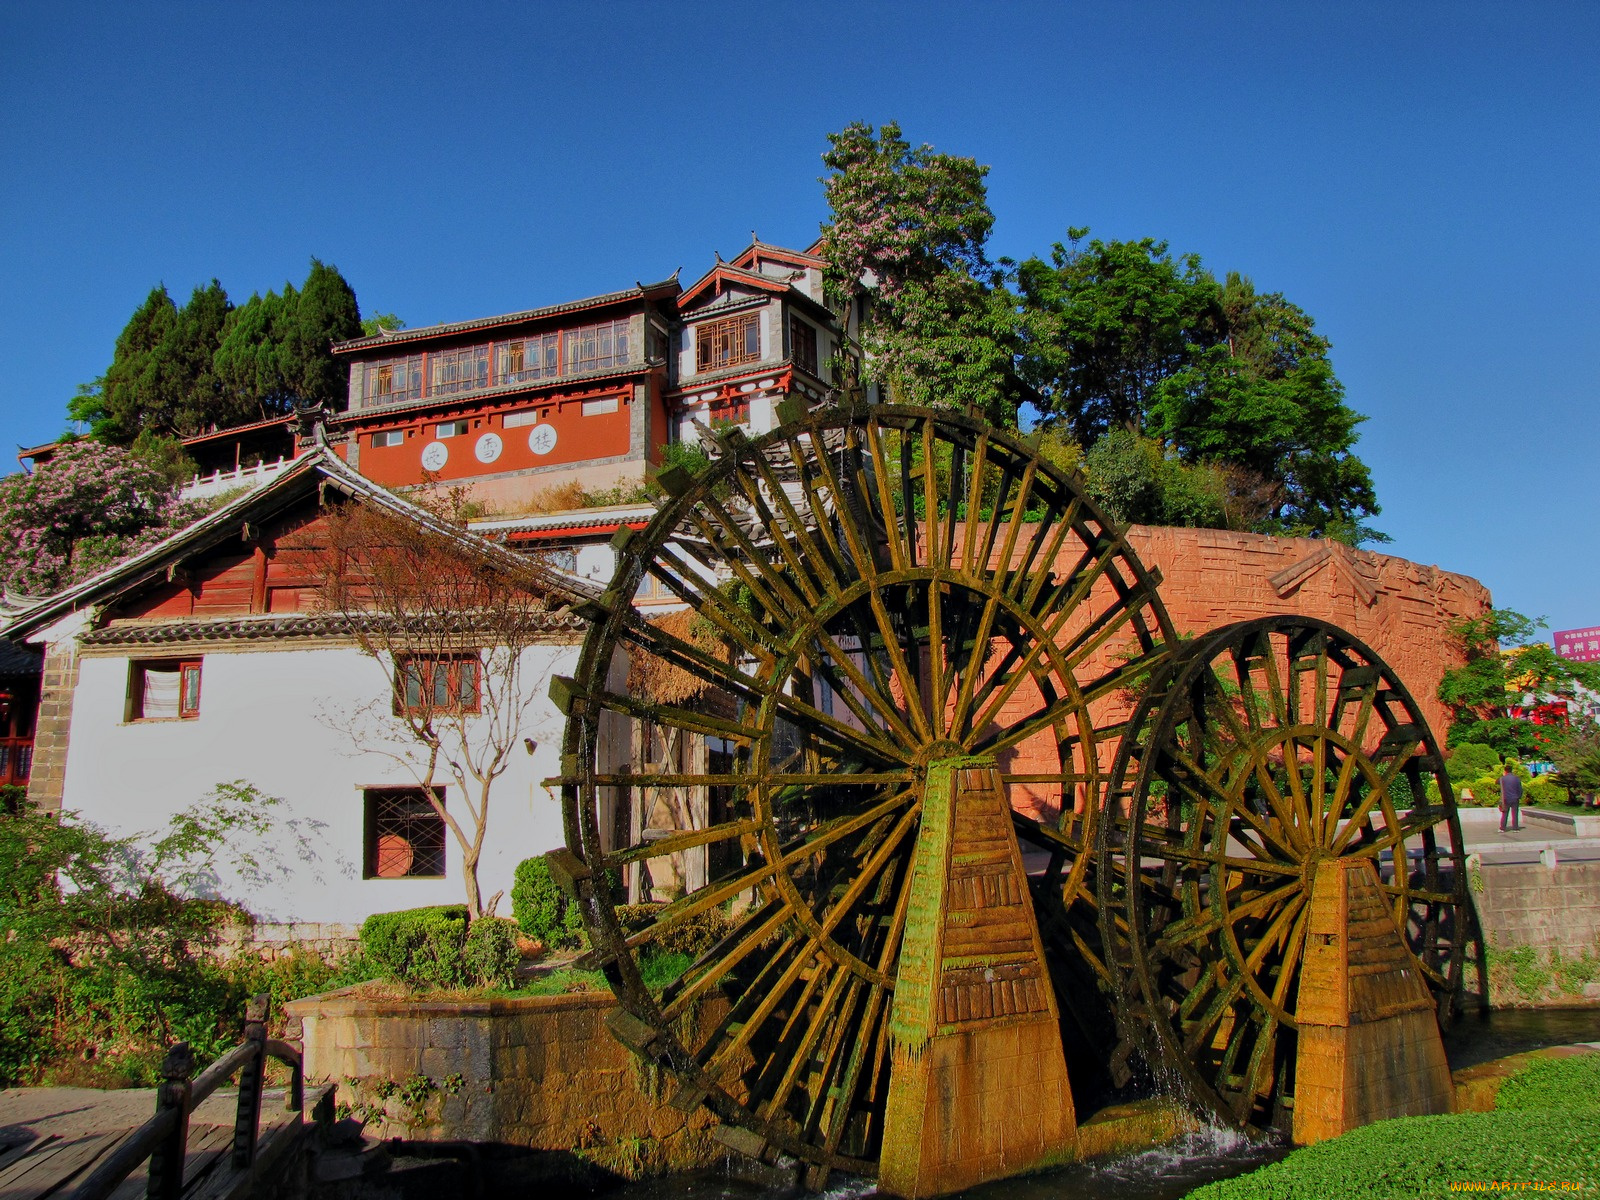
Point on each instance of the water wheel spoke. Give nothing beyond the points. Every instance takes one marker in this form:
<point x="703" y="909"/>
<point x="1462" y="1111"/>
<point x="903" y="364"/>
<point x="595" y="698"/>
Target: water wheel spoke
<point x="1275" y="933"/>
<point x="812" y="1025"/>
<point x="1293" y="949"/>
<point x="720" y="960"/>
<point x="1204" y="923"/>
<point x="675" y="843"/>
<point x="1200" y="1030"/>
<point x="1341" y="797"/>
<point x="717" y="1064"/>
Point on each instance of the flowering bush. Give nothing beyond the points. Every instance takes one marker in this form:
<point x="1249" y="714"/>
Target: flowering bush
<point x="89" y="506"/>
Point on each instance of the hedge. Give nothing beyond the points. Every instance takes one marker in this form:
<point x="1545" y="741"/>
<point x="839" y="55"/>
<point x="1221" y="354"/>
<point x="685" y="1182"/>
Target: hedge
<point x="435" y="948"/>
<point x="1545" y="1129"/>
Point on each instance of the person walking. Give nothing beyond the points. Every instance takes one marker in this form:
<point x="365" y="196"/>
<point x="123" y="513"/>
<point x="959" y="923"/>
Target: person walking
<point x="1510" y="799"/>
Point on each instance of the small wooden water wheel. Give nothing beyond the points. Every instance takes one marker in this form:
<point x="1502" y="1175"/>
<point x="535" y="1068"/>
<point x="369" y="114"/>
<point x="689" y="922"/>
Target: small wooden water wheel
<point x="1261" y="751"/>
<point x="878" y="590"/>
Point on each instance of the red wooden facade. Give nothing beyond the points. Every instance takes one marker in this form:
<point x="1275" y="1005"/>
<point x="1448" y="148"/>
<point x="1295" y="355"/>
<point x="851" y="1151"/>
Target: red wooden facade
<point x="276" y="572"/>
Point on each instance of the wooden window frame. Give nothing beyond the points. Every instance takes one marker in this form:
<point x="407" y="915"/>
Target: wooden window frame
<point x="451" y="664"/>
<point x="422" y="817"/>
<point x="727" y="343"/>
<point x="803" y="344"/>
<point x="186" y="668"/>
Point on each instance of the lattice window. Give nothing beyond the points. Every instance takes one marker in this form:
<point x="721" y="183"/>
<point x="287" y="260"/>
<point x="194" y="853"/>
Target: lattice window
<point x="528" y="359"/>
<point x="391" y="380"/>
<point x="596" y="347"/>
<point x="404" y="834"/>
<point x="464" y="370"/>
<point x="446" y="683"/>
<point x="726" y="343"/>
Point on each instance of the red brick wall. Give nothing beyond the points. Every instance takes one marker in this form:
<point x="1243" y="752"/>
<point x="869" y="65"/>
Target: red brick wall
<point x="1211" y="577"/>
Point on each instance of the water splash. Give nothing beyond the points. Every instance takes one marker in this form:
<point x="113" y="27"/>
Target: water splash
<point x="1206" y="1145"/>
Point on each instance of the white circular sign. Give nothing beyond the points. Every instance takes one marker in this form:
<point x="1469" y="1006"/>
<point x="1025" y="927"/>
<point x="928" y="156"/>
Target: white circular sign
<point x="434" y="456"/>
<point x="488" y="447"/>
<point x="542" y="439"/>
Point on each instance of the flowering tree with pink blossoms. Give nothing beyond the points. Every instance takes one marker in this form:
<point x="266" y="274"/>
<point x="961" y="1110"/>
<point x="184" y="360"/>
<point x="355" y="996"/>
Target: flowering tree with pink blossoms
<point x="910" y="226"/>
<point x="89" y="506"/>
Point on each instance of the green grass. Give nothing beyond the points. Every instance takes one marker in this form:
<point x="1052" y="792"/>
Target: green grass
<point x="1564" y="1084"/>
<point x="657" y="970"/>
<point x="1545" y="1129"/>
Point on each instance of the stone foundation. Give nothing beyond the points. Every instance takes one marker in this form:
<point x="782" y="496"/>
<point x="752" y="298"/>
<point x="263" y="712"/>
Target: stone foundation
<point x="537" y="1071"/>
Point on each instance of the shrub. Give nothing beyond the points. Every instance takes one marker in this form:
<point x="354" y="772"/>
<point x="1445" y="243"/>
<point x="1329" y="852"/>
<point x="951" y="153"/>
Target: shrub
<point x="491" y="953"/>
<point x="420" y="947"/>
<point x="541" y="908"/>
<point x="1469" y="760"/>
<point x="1421" y="1156"/>
<point x="689" y="937"/>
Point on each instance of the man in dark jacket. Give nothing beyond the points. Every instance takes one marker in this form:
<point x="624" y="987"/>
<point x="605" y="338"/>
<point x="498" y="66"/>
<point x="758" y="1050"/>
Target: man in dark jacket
<point x="1510" y="799"/>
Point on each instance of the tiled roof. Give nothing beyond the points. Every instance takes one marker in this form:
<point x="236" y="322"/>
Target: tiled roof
<point x="235" y="430"/>
<point x="317" y="467"/>
<point x="727" y="271"/>
<point x="400" y="337"/>
<point x="270" y="627"/>
<point x="607" y="518"/>
<point x="759" y="250"/>
<point x="19" y="660"/>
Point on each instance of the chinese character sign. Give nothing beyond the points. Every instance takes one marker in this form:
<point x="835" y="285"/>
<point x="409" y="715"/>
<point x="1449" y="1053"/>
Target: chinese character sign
<point x="1578" y="645"/>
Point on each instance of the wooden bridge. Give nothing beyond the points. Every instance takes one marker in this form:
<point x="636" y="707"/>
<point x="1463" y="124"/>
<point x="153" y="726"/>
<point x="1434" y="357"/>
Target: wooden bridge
<point x="200" y="1142"/>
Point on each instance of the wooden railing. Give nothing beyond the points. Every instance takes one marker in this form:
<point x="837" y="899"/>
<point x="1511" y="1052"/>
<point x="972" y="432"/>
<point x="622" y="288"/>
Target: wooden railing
<point x="163" y="1139"/>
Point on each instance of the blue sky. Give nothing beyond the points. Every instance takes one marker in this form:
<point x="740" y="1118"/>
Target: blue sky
<point x="1422" y="178"/>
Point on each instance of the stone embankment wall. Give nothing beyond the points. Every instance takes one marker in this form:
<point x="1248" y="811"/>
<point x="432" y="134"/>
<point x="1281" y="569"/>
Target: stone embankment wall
<point x="1213" y="577"/>
<point x="1542" y="928"/>
<point x="267" y="940"/>
<point x="536" y="1071"/>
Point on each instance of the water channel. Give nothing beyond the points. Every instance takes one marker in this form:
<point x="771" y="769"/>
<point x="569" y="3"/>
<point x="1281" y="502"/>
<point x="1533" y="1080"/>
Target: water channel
<point x="1171" y="1172"/>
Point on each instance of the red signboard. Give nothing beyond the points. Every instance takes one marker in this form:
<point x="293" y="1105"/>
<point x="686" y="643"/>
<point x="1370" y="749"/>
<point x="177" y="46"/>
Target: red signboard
<point x="1578" y="645"/>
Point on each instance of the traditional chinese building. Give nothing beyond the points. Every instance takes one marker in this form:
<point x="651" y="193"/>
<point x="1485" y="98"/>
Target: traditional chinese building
<point x="582" y="397"/>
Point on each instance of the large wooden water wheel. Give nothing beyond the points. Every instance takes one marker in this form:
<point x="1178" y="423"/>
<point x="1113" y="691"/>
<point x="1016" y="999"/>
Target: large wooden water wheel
<point x="866" y="593"/>
<point x="876" y="591"/>
<point x="1262" y="750"/>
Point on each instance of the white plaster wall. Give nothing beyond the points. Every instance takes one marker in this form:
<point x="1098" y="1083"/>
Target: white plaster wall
<point x="268" y="717"/>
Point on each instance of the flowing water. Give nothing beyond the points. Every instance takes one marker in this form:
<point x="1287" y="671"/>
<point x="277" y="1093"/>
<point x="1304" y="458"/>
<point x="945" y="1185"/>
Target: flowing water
<point x="1170" y="1172"/>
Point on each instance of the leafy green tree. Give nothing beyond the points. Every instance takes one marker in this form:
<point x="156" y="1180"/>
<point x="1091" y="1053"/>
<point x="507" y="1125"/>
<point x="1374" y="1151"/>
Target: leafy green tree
<point x="1124" y="335"/>
<point x="909" y="226"/>
<point x="138" y="376"/>
<point x="1577" y="758"/>
<point x="378" y="322"/>
<point x="1109" y="325"/>
<point x="327" y="312"/>
<point x="1504" y="662"/>
<point x="250" y="359"/>
<point x="180" y="371"/>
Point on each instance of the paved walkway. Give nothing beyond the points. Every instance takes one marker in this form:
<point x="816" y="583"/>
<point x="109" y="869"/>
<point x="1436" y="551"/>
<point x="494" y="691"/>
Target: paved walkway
<point x="1480" y="830"/>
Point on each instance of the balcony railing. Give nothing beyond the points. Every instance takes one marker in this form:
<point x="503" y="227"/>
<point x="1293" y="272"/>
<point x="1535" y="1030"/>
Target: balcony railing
<point x="463" y="370"/>
<point x="16" y="760"/>
<point x="203" y="487"/>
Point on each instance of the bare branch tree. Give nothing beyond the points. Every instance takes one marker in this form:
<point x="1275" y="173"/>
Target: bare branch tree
<point x="455" y="622"/>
